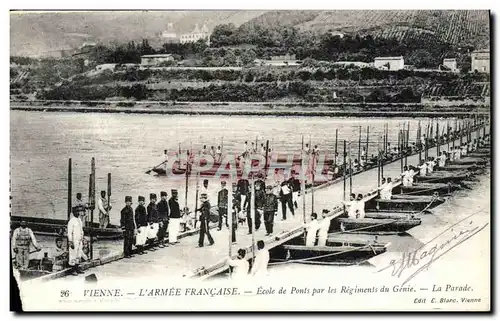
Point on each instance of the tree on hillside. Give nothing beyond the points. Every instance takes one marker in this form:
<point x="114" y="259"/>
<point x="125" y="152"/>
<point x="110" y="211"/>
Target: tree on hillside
<point x="145" y="48"/>
<point x="223" y="35"/>
<point x="464" y="63"/>
<point x="247" y="57"/>
<point x="421" y="58"/>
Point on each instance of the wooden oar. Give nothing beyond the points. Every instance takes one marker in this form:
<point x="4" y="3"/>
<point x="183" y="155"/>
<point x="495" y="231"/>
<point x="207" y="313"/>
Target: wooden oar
<point x="149" y="171"/>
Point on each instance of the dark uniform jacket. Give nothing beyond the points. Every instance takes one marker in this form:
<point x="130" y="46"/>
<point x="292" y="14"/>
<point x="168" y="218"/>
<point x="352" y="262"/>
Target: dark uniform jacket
<point x="141" y="218"/>
<point x="127" y="219"/>
<point x="271" y="203"/>
<point x="153" y="213"/>
<point x="260" y="198"/>
<point x="175" y="211"/>
<point x="222" y="198"/>
<point x="295" y="183"/>
<point x="163" y="210"/>
<point x="205" y="211"/>
<point x="237" y="200"/>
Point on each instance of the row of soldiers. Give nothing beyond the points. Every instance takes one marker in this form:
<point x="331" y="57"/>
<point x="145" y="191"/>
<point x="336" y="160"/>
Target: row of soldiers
<point x="150" y="223"/>
<point x="390" y="152"/>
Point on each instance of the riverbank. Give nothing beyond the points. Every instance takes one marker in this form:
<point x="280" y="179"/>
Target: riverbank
<point x="250" y="108"/>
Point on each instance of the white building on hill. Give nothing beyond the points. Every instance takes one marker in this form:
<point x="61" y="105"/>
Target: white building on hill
<point x="451" y="64"/>
<point x="169" y="35"/>
<point x="196" y="35"/>
<point x="389" y="63"/>
<point x="480" y="61"/>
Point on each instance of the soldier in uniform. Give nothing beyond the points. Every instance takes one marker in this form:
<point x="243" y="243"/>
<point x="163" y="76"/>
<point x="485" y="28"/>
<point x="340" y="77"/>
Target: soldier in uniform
<point x="204" y="218"/>
<point x="175" y="217"/>
<point x="22" y="238"/>
<point x="59" y="255"/>
<point x="141" y="222"/>
<point x="75" y="241"/>
<point x="260" y="199"/>
<point x="153" y="219"/>
<point x="81" y="207"/>
<point x="128" y="226"/>
<point x="270" y="208"/>
<point x="286" y="199"/>
<point x="258" y="206"/>
<point x="295" y="186"/>
<point x="104" y="208"/>
<point x="163" y="216"/>
<point x="237" y="203"/>
<point x="222" y="203"/>
<point x="243" y="189"/>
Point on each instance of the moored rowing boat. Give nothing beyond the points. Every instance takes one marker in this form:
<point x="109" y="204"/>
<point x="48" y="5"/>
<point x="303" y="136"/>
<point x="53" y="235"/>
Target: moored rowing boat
<point x="377" y="226"/>
<point x="57" y="227"/>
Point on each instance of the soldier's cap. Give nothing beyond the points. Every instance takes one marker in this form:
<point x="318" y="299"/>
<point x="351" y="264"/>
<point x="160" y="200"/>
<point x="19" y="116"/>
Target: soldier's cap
<point x="141" y="198"/>
<point x="152" y="196"/>
<point x="103" y="192"/>
<point x="128" y="198"/>
<point x="205" y="181"/>
<point x="162" y="193"/>
<point x="203" y="195"/>
<point x="78" y="195"/>
<point x="173" y="191"/>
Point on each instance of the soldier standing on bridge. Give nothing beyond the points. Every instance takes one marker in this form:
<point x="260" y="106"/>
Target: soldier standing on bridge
<point x="204" y="219"/>
<point x="81" y="207"/>
<point x="270" y="208"/>
<point x="127" y="224"/>
<point x="324" y="227"/>
<point x="222" y="203"/>
<point x="247" y="207"/>
<point x="243" y="189"/>
<point x="175" y="217"/>
<point x="104" y="208"/>
<point x="286" y="199"/>
<point x="153" y="219"/>
<point x="141" y="221"/>
<point x="75" y="241"/>
<point x="163" y="217"/>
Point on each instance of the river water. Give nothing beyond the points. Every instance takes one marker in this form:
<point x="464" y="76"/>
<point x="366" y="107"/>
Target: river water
<point x="128" y="145"/>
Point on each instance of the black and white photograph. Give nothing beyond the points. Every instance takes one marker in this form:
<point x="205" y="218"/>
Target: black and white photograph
<point x="251" y="160"/>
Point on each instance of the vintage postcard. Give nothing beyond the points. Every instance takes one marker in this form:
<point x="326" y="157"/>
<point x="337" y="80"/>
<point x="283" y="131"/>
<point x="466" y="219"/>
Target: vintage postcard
<point x="295" y="160"/>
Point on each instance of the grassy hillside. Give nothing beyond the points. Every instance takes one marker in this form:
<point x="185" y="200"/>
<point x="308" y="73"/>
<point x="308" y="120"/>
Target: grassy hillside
<point x="33" y="34"/>
<point x="458" y="27"/>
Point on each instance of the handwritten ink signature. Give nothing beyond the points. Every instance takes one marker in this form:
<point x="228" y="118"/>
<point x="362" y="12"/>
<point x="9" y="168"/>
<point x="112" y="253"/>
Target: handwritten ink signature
<point x="417" y="257"/>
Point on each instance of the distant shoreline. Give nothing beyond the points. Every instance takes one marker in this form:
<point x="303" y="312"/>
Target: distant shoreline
<point x="251" y="108"/>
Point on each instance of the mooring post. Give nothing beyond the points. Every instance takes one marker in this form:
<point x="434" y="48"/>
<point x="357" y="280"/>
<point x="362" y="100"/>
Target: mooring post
<point x="92" y="207"/>
<point x="70" y="193"/>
